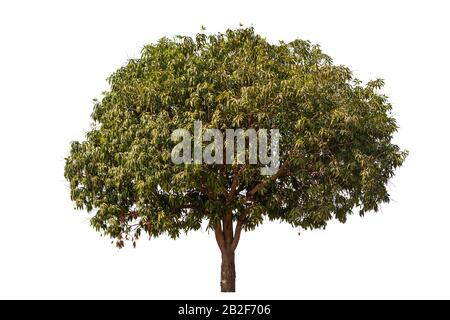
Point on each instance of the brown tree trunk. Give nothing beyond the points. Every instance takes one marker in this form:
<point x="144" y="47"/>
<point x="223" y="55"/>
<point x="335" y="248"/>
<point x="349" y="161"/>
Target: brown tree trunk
<point x="228" y="272"/>
<point x="228" y="241"/>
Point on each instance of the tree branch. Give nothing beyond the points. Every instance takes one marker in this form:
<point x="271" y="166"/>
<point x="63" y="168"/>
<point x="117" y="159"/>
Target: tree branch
<point x="281" y="171"/>
<point x="237" y="233"/>
<point x="186" y="206"/>
<point x="234" y="183"/>
<point x="219" y="236"/>
<point x="228" y="228"/>
<point x="241" y="220"/>
<point x="206" y="191"/>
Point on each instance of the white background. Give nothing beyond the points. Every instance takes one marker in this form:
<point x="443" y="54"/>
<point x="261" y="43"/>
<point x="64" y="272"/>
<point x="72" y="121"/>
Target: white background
<point x="54" y="59"/>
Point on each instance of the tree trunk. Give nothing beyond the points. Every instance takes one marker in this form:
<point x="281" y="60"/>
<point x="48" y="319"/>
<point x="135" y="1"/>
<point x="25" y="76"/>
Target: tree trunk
<point x="228" y="271"/>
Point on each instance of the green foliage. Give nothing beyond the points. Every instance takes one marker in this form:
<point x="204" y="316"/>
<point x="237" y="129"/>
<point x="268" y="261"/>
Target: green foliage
<point x="336" y="148"/>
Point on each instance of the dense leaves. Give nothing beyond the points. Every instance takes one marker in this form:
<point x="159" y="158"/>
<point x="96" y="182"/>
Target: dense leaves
<point x="336" y="149"/>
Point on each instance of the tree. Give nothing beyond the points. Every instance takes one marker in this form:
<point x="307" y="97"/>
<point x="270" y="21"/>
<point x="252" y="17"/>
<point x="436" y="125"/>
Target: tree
<point x="336" y="151"/>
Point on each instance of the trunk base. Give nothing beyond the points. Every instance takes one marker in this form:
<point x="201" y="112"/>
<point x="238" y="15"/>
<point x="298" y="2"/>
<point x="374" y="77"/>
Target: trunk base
<point x="228" y="272"/>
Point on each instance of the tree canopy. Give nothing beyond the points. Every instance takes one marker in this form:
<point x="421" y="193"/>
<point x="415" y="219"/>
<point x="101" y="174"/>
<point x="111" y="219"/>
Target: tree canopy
<point x="336" y="149"/>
